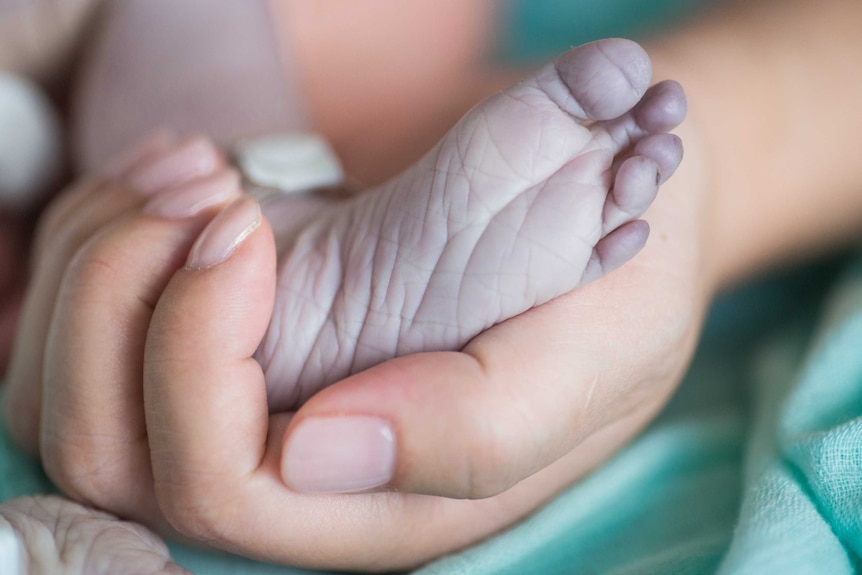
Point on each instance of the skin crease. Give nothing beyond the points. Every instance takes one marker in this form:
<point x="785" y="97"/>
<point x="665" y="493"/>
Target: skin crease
<point x="725" y="182"/>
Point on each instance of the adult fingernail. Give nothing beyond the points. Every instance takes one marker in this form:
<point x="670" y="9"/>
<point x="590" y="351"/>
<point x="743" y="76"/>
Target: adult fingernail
<point x="225" y="234"/>
<point x="339" y="455"/>
<point x="194" y="159"/>
<point x="193" y="197"/>
<point x="157" y="142"/>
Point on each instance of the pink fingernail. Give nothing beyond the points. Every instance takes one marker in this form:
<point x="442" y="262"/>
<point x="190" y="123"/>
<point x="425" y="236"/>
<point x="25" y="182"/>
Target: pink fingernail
<point x="225" y="234"/>
<point x="158" y="141"/>
<point x="194" y="159"/>
<point x="339" y="455"/>
<point x="193" y="197"/>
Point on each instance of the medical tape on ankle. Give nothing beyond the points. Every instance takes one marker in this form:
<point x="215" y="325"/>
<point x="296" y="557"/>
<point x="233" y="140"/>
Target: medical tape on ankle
<point x="288" y="163"/>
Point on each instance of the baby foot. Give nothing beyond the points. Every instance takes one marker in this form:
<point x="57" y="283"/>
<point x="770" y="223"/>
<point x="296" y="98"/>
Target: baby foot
<point x="533" y="193"/>
<point x="48" y="534"/>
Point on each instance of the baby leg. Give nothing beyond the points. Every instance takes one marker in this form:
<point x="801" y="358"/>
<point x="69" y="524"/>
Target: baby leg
<point x="212" y="67"/>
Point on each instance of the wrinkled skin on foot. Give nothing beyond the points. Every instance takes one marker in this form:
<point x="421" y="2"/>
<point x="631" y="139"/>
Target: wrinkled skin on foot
<point x="64" y="538"/>
<point x="535" y="192"/>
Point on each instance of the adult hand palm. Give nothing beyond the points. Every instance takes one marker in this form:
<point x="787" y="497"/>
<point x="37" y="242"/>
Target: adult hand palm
<point x="526" y="408"/>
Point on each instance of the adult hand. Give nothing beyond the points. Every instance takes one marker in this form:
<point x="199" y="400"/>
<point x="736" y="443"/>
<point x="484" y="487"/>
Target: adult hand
<point x="525" y="409"/>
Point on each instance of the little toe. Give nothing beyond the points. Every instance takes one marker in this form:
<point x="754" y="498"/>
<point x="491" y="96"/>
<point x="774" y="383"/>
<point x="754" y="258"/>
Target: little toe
<point x="635" y="187"/>
<point x="664" y="149"/>
<point x="598" y="81"/>
<point x="615" y="249"/>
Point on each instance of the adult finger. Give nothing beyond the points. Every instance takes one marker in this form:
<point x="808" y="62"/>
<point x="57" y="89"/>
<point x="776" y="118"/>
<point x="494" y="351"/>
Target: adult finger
<point x="213" y="444"/>
<point x="93" y="439"/>
<point x="156" y="164"/>
<point x="56" y="241"/>
<point x="188" y="351"/>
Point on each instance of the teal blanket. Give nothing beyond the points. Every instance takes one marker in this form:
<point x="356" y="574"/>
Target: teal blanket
<point x="754" y="467"/>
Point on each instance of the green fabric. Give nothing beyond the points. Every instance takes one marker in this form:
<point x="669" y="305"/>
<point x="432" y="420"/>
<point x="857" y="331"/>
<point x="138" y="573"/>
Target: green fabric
<point x="754" y="467"/>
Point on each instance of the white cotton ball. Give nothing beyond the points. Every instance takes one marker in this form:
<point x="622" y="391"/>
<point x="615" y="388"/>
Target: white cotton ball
<point x="31" y="144"/>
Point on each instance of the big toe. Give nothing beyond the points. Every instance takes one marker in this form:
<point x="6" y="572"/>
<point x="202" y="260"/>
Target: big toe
<point x="598" y="81"/>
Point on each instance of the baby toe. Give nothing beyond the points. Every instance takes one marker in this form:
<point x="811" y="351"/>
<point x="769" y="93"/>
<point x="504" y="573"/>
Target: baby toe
<point x="635" y="187"/>
<point x="662" y="109"/>
<point x="598" y="81"/>
<point x="615" y="249"/>
<point x="664" y="149"/>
